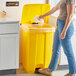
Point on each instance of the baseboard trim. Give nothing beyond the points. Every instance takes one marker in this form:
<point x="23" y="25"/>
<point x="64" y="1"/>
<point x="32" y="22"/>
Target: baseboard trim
<point x="63" y="67"/>
<point x="13" y="71"/>
<point x="6" y="72"/>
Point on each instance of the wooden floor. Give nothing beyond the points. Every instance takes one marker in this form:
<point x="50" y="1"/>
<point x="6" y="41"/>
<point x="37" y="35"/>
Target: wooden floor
<point x="56" y="73"/>
<point x="20" y="70"/>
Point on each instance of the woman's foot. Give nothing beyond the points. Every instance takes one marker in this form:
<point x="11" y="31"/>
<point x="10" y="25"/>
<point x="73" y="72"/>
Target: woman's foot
<point x="70" y="74"/>
<point x="46" y="71"/>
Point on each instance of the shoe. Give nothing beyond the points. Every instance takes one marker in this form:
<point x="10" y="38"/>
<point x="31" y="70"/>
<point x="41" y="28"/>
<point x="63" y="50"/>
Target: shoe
<point x="69" y="74"/>
<point x="45" y="72"/>
<point x="36" y="70"/>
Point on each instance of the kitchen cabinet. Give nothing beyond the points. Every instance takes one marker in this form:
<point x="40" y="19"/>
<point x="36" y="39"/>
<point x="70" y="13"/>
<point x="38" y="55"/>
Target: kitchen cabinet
<point x="9" y="44"/>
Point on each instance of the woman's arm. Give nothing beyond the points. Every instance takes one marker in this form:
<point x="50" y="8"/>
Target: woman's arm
<point x="54" y="9"/>
<point x="70" y="11"/>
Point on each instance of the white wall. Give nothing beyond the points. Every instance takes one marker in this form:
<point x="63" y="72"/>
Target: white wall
<point x="54" y="3"/>
<point x="16" y="12"/>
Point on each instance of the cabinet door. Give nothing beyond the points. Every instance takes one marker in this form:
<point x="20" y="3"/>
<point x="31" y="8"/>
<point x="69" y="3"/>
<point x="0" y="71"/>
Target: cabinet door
<point x="9" y="51"/>
<point x="8" y="28"/>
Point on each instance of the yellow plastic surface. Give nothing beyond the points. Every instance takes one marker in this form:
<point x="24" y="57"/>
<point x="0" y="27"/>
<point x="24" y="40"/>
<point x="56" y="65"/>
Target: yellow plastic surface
<point x="38" y="28"/>
<point x="32" y="10"/>
<point x="37" y="47"/>
<point x="37" y="44"/>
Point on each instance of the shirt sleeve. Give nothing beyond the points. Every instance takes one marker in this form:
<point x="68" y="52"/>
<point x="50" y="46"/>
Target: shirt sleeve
<point x="70" y="1"/>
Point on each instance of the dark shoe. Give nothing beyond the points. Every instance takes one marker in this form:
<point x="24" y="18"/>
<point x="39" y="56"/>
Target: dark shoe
<point x="36" y="70"/>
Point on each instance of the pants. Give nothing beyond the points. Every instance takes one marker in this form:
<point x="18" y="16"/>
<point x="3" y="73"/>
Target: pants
<point x="67" y="47"/>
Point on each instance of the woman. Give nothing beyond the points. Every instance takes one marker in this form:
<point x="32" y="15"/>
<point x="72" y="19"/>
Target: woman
<point x="62" y="37"/>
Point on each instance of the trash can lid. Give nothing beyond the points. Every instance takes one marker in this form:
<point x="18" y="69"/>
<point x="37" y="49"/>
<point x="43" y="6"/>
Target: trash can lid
<point x="38" y="27"/>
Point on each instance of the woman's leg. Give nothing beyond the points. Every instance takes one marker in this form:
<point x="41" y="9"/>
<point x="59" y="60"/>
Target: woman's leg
<point x="67" y="46"/>
<point x="56" y="51"/>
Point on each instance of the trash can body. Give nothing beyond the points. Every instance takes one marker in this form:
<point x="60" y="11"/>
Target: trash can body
<point x="37" y="47"/>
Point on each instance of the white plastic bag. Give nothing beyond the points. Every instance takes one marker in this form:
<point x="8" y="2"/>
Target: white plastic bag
<point x="37" y="20"/>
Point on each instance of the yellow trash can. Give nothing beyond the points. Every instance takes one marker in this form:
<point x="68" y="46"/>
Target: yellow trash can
<point x="37" y="46"/>
<point x="37" y="39"/>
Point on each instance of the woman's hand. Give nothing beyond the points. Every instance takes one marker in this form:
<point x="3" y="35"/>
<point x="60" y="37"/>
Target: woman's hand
<point x="41" y="17"/>
<point x="62" y="35"/>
